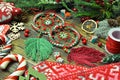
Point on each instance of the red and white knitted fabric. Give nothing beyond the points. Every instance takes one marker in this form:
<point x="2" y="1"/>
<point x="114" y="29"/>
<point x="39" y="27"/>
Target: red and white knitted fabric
<point x="56" y="71"/>
<point x="106" y="72"/>
<point x="8" y="11"/>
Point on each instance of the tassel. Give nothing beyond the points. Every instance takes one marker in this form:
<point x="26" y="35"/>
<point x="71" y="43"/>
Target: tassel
<point x="38" y="49"/>
<point x="85" y="55"/>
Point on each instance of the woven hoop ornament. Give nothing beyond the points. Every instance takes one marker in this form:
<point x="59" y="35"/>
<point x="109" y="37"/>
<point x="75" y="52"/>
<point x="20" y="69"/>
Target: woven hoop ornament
<point x="5" y="47"/>
<point x="113" y="41"/>
<point x="67" y="40"/>
<point x="19" y="71"/>
<point x="42" y="22"/>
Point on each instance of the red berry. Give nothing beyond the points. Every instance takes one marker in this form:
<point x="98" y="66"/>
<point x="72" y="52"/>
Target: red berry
<point x="39" y="26"/>
<point x="87" y="0"/>
<point x="37" y="23"/>
<point x="26" y="34"/>
<point x="27" y="30"/>
<point x="86" y="18"/>
<point x="111" y="1"/>
<point x="44" y="29"/>
<point x="74" y="9"/>
<point x="84" y="42"/>
<point x="83" y="39"/>
<point x="99" y="44"/>
<point x="97" y="2"/>
<point x="97" y="21"/>
<point x="82" y="19"/>
<point x="58" y="1"/>
<point x="102" y="4"/>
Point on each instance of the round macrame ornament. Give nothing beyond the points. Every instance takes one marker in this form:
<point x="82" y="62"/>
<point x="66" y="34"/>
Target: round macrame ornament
<point x="44" y="21"/>
<point x="64" y="35"/>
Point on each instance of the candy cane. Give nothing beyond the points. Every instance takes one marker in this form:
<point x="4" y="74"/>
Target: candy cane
<point x="5" y="47"/>
<point x="58" y="57"/>
<point x="19" y="71"/>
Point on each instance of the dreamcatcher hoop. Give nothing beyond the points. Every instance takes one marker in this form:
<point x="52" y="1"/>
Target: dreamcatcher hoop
<point x="44" y="21"/>
<point x="66" y="36"/>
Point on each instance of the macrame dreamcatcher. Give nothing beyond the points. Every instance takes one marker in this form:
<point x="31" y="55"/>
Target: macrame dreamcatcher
<point x="64" y="35"/>
<point x="44" y="21"/>
<point x="60" y="34"/>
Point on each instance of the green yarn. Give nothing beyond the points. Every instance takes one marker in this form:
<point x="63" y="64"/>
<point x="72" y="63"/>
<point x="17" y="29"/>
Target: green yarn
<point x="38" y="49"/>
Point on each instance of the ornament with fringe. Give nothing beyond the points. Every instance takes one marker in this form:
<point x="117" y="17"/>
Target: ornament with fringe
<point x="38" y="49"/>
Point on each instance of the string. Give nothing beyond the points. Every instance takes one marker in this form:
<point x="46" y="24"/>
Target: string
<point x="112" y="46"/>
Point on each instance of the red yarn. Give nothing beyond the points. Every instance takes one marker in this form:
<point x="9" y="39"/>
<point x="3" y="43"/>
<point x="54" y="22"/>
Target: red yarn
<point x="112" y="46"/>
<point x="85" y="55"/>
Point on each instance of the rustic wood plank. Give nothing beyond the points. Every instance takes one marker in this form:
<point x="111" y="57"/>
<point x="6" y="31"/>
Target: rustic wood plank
<point x="18" y="47"/>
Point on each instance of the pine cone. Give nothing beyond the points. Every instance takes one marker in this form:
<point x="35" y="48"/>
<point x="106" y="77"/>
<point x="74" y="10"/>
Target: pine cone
<point x="112" y="22"/>
<point x="118" y="20"/>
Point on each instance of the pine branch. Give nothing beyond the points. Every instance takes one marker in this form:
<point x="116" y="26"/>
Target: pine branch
<point x="88" y="4"/>
<point x="86" y="13"/>
<point x="65" y="5"/>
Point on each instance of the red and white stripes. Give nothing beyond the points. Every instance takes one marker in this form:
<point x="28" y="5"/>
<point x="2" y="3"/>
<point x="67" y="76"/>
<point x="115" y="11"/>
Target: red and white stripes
<point x="5" y="47"/>
<point x="19" y="71"/>
<point x="5" y="43"/>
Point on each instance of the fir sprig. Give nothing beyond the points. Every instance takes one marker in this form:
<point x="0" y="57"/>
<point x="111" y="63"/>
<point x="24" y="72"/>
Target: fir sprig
<point x="91" y="9"/>
<point x="111" y="59"/>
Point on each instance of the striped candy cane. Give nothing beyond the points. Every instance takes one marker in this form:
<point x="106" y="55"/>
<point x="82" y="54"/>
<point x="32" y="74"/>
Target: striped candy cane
<point x="58" y="57"/>
<point x="5" y="47"/>
<point x="19" y="71"/>
<point x="5" y="43"/>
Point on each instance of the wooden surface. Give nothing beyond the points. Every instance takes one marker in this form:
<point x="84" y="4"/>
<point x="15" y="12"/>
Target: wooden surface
<point x="18" y="47"/>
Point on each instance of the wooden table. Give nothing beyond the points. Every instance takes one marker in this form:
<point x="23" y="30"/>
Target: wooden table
<point x="18" y="47"/>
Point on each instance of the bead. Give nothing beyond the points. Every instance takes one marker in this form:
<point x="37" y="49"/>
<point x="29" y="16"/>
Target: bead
<point x="100" y="44"/>
<point x="27" y="31"/>
<point x="26" y="34"/>
<point x="84" y="41"/>
<point x="93" y="39"/>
